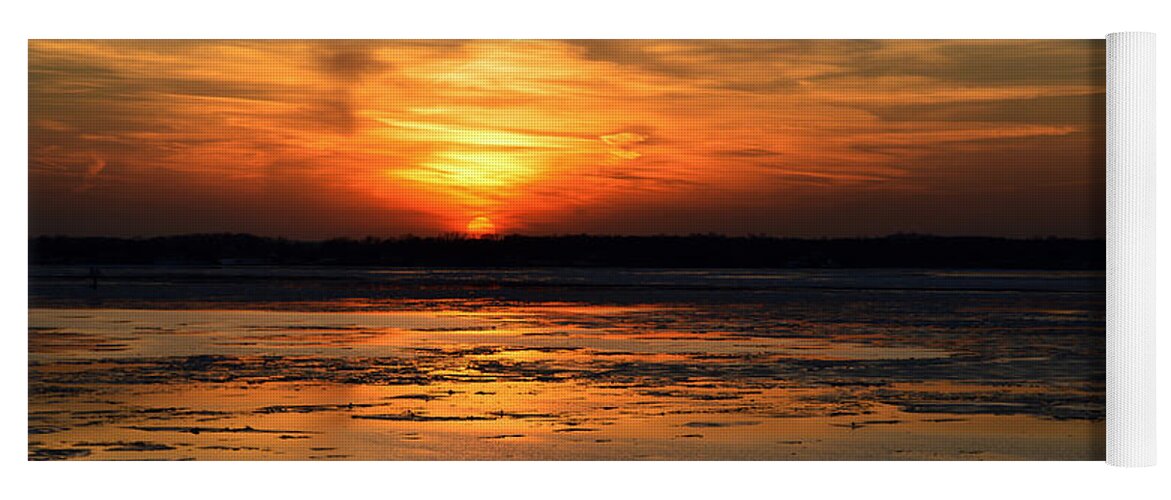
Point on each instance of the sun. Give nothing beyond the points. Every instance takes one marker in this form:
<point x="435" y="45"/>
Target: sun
<point x="481" y="226"/>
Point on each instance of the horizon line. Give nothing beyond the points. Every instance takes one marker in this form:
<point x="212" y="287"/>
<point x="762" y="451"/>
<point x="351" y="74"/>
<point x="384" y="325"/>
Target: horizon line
<point x="456" y="235"/>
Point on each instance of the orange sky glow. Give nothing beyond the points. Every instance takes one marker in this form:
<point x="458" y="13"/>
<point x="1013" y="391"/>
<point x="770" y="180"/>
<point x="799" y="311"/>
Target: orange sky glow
<point x="318" y="139"/>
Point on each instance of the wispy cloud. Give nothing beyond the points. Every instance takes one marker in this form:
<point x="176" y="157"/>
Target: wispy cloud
<point x="379" y="137"/>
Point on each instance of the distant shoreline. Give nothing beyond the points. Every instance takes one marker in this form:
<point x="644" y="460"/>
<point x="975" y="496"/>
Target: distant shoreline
<point x="581" y="251"/>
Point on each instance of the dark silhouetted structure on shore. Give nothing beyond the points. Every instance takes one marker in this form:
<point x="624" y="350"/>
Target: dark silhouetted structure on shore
<point x="702" y="251"/>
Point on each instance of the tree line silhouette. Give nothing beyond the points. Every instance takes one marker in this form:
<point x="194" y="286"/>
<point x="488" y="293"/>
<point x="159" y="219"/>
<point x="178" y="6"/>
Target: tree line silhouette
<point x="896" y="251"/>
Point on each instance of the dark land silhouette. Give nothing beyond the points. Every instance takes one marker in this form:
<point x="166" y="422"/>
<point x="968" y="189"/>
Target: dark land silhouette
<point x="696" y="251"/>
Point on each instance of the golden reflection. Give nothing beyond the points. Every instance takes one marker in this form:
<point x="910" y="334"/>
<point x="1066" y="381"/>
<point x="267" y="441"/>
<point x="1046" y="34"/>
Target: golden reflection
<point x="473" y="379"/>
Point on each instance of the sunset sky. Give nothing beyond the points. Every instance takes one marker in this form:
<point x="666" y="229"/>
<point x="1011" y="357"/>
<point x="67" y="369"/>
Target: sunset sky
<point x="317" y="139"/>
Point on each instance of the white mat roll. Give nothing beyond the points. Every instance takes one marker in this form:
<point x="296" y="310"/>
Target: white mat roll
<point x="1130" y="256"/>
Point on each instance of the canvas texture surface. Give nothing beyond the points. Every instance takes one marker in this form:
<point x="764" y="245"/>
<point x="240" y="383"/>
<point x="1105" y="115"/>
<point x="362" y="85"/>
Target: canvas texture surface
<point x="567" y="250"/>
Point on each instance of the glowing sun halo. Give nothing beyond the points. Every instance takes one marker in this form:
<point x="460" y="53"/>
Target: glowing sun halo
<point x="481" y="226"/>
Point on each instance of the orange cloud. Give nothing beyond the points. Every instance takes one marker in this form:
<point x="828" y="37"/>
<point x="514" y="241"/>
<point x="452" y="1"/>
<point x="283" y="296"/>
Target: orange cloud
<point x="389" y="137"/>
